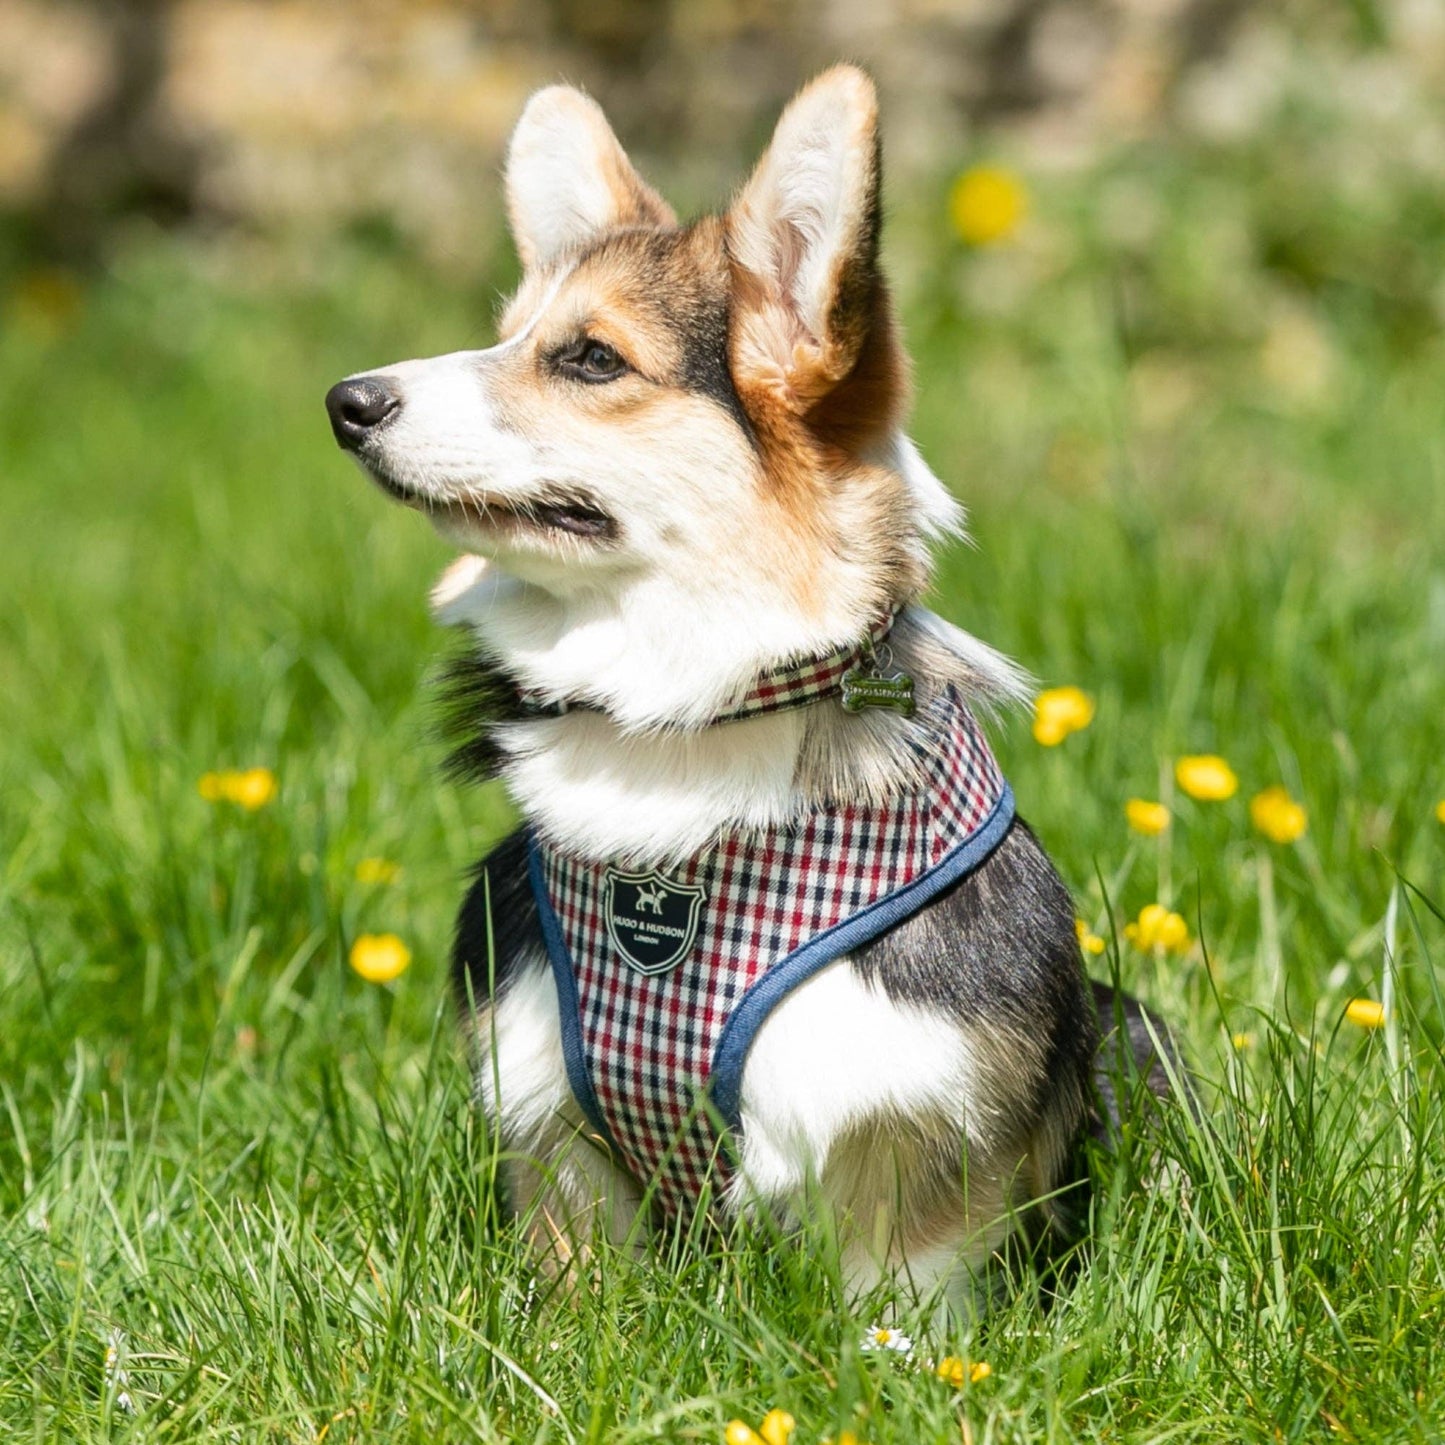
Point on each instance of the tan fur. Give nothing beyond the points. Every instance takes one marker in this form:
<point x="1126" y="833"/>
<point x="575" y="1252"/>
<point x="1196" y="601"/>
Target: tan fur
<point x="816" y="404"/>
<point x="639" y="290"/>
<point x="873" y="398"/>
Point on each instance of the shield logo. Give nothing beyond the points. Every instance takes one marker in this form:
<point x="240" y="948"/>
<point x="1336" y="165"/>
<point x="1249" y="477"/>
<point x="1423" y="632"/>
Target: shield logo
<point x="651" y="920"/>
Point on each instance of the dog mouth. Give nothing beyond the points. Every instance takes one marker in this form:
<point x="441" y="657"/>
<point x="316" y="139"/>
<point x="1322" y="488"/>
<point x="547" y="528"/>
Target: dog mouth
<point x="573" y="513"/>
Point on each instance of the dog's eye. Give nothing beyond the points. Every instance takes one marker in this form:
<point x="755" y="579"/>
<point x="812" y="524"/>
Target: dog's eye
<point x="595" y="361"/>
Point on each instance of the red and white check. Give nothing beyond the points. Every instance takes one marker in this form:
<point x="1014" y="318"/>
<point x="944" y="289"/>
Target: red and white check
<point x="665" y="977"/>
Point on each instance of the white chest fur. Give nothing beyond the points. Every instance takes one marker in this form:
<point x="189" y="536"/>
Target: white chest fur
<point x="648" y="799"/>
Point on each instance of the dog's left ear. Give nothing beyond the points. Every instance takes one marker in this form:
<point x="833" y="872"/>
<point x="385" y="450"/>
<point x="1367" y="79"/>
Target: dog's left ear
<point x="569" y="180"/>
<point x="803" y="235"/>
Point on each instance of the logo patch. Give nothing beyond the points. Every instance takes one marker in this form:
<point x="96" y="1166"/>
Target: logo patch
<point x="651" y="921"/>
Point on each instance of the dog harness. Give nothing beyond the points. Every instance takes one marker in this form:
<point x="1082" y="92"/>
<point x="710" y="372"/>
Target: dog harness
<point x="665" y="977"/>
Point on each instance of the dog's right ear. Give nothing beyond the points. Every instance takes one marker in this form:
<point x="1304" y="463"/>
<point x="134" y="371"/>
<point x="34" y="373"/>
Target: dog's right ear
<point x="568" y="178"/>
<point x="803" y="234"/>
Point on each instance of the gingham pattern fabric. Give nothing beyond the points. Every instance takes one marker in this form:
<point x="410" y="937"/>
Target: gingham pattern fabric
<point x="650" y="1042"/>
<point x="797" y="684"/>
<point x="793" y="684"/>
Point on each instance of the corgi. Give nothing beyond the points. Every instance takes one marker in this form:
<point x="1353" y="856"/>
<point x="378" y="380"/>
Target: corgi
<point x="771" y="936"/>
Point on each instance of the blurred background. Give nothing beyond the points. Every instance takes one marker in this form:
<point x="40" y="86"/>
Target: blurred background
<point x="1171" y="273"/>
<point x="273" y="118"/>
<point x="1235" y="194"/>
<point x="1170" y="269"/>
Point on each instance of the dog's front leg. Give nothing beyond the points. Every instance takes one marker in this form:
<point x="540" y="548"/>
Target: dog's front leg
<point x="560" y="1183"/>
<point x="567" y="1194"/>
<point x="876" y="1112"/>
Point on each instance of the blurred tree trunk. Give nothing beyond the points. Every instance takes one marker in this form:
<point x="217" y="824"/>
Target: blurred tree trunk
<point x="124" y="156"/>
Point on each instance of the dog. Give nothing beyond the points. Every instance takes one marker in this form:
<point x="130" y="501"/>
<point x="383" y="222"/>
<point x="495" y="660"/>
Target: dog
<point x="771" y="936"/>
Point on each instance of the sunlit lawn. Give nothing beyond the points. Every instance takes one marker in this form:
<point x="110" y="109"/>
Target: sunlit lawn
<point x="250" y="1179"/>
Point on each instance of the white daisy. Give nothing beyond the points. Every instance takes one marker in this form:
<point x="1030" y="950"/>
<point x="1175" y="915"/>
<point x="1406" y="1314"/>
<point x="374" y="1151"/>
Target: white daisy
<point x="883" y="1337"/>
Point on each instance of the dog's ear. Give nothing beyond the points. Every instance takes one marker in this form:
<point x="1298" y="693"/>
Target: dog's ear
<point x="803" y="236"/>
<point x="568" y="178"/>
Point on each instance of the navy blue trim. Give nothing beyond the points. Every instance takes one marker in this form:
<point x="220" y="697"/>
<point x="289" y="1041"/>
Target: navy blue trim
<point x="852" y="932"/>
<point x="579" y="1075"/>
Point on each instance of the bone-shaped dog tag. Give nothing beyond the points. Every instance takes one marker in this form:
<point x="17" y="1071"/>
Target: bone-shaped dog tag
<point x="863" y="689"/>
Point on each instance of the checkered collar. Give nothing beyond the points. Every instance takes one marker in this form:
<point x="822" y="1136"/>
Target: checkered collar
<point x="790" y="685"/>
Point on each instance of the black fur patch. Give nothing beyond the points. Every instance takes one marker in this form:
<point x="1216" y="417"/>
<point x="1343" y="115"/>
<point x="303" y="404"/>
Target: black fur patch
<point x="705" y="368"/>
<point x="497" y="925"/>
<point x="680" y="276"/>
<point x="473" y="693"/>
<point x="1129" y="1063"/>
<point x="998" y="947"/>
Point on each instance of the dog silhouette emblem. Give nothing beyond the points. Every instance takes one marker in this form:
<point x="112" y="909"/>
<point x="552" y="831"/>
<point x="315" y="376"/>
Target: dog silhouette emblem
<point x="651" y="920"/>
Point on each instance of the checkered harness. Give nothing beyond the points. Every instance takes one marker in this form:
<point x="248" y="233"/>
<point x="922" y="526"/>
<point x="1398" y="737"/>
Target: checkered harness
<point x="656" y="1060"/>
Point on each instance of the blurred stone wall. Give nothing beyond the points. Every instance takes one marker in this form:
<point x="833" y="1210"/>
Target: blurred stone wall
<point x="276" y="114"/>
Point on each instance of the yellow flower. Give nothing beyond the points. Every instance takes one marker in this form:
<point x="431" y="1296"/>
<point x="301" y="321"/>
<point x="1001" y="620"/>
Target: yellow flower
<point x="377" y="870"/>
<point x="777" y="1427"/>
<point x="1242" y="1041"/>
<point x="379" y="957"/>
<point x="952" y="1371"/>
<point x="212" y="786"/>
<point x="738" y="1433"/>
<point x="252" y="789"/>
<point x="1440" y="810"/>
<point x="1365" y="1012"/>
<point x="987" y="204"/>
<point x="1089" y="942"/>
<point x="1059" y="711"/>
<point x="1206" y="777"/>
<point x="1275" y="814"/>
<point x="1150" y="819"/>
<point x="1158" y="928"/>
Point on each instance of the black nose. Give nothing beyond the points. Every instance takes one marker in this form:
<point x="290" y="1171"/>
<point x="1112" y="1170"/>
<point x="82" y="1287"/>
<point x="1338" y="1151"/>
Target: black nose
<point x="358" y="407"/>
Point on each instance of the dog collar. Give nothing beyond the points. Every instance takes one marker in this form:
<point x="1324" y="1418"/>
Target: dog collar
<point x="861" y="675"/>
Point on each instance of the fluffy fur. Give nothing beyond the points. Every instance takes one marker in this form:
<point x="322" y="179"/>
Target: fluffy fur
<point x="682" y="464"/>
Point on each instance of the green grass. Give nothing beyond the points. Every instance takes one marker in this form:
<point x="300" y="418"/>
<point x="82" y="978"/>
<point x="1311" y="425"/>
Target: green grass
<point x="258" y="1177"/>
